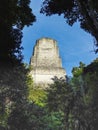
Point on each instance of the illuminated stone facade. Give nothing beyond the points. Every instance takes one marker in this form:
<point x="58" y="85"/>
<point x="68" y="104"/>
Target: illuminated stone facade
<point x="46" y="62"/>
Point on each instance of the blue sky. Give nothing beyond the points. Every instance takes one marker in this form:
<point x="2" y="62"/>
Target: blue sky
<point x="75" y="45"/>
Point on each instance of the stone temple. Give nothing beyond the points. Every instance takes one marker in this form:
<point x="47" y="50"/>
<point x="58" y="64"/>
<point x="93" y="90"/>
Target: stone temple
<point x="46" y="62"/>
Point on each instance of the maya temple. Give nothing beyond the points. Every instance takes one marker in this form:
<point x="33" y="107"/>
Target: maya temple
<point x="46" y="62"/>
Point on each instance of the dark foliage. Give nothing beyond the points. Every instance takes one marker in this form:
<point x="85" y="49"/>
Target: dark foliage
<point x="77" y="98"/>
<point x="14" y="15"/>
<point x="84" y="11"/>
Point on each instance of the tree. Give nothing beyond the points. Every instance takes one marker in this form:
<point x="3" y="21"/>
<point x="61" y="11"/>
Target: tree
<point x="14" y="15"/>
<point x="77" y="71"/>
<point x="76" y="98"/>
<point x="13" y="90"/>
<point x="85" y="84"/>
<point x="60" y="99"/>
<point x="84" y="11"/>
<point x="35" y="93"/>
<point x="80" y="111"/>
<point x="90" y="74"/>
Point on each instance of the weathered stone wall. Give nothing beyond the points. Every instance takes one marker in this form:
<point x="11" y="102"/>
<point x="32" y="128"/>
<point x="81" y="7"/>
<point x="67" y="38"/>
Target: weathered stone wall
<point x="46" y="62"/>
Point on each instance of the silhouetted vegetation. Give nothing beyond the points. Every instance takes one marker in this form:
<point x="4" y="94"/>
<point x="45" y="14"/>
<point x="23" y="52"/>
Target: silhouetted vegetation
<point x="76" y="98"/>
<point x="69" y="104"/>
<point x="84" y="11"/>
<point x="66" y="104"/>
<point x="14" y="15"/>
